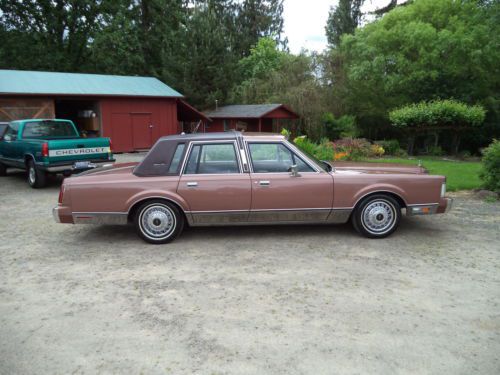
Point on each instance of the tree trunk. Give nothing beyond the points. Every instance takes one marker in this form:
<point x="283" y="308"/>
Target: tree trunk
<point x="411" y="144"/>
<point x="455" y="143"/>
<point x="436" y="139"/>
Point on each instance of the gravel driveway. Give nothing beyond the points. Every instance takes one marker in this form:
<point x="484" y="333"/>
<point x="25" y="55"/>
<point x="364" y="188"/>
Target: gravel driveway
<point x="247" y="300"/>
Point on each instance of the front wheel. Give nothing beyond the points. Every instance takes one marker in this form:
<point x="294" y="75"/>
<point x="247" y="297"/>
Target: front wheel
<point x="377" y="216"/>
<point x="36" y="177"/>
<point x="158" y="221"/>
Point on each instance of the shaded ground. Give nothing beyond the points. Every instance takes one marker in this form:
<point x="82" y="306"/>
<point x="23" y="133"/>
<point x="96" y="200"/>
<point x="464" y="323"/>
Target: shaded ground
<point x="247" y="300"/>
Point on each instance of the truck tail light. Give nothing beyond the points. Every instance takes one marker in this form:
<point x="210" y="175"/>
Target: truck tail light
<point x="45" y="150"/>
<point x="110" y="146"/>
<point x="61" y="193"/>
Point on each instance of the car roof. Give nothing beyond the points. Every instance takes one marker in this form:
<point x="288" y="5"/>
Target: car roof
<point x="229" y="135"/>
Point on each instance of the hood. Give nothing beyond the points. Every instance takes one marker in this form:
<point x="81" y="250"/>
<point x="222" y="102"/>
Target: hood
<point x="377" y="168"/>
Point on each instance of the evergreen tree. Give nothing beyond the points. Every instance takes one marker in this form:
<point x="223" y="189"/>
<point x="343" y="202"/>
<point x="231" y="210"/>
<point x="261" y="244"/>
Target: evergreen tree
<point x="343" y="19"/>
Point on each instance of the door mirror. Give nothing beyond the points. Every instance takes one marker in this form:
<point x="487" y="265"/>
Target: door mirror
<point x="294" y="172"/>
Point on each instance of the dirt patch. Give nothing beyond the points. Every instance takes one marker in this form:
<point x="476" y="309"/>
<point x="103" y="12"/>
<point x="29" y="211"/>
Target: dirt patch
<point x="246" y="300"/>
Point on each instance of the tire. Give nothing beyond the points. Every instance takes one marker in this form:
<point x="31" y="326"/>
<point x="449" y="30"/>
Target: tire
<point x="36" y="177"/>
<point x="158" y="221"/>
<point x="3" y="170"/>
<point x="377" y="216"/>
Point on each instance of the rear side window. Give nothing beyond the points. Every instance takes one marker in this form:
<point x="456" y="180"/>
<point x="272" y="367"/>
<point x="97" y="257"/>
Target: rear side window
<point x="176" y="160"/>
<point x="212" y="159"/>
<point x="48" y="129"/>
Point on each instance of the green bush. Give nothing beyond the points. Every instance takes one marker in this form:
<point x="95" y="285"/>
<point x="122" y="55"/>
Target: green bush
<point x="491" y="166"/>
<point x="321" y="151"/>
<point x="436" y="151"/>
<point x="390" y="146"/>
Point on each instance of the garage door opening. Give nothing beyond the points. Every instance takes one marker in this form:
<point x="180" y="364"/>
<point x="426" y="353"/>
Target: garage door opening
<point x="84" y="113"/>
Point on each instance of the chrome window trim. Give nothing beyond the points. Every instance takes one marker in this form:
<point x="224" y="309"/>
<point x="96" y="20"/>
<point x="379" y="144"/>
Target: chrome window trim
<point x="188" y="153"/>
<point x="285" y="143"/>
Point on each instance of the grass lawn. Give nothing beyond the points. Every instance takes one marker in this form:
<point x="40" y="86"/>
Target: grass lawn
<point x="460" y="175"/>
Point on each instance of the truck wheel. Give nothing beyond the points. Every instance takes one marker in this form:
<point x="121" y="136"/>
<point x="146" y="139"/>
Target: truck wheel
<point x="377" y="216"/>
<point x="36" y="177"/>
<point x="3" y="170"/>
<point x="158" y="221"/>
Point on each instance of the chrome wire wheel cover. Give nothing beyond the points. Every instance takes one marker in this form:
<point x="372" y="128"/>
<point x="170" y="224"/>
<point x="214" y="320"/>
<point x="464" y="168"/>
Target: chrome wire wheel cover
<point x="32" y="175"/>
<point x="378" y="217"/>
<point x="157" y="221"/>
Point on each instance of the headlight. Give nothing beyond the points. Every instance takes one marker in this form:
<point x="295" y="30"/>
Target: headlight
<point x="443" y="189"/>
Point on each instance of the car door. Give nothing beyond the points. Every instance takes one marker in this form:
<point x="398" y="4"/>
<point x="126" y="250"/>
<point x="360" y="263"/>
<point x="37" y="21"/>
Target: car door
<point x="280" y="196"/>
<point x="214" y="185"/>
<point x="11" y="151"/>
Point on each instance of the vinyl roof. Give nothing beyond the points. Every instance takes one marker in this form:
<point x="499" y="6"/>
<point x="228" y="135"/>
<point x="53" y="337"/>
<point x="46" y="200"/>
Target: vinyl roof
<point x="245" y="111"/>
<point x="53" y="83"/>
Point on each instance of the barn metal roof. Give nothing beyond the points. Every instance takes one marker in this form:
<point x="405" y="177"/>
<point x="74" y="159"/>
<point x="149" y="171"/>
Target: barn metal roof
<point x="245" y="111"/>
<point x="51" y="83"/>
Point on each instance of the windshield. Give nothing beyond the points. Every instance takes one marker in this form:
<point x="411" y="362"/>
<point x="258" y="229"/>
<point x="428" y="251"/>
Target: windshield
<point x="49" y="129"/>
<point x="3" y="127"/>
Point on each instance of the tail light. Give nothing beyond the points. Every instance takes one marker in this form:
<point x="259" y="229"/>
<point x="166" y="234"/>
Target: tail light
<point x="45" y="150"/>
<point x="61" y="194"/>
<point x="110" y="146"/>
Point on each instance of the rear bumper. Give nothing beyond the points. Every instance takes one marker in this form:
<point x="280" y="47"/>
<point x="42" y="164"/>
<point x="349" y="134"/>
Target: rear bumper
<point x="68" y="167"/>
<point x="62" y="214"/>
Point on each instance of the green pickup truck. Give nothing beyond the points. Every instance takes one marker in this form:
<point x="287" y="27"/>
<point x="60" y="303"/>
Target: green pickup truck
<point x="50" y="146"/>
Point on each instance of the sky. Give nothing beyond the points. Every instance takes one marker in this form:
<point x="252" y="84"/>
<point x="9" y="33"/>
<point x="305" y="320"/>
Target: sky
<point x="305" y="22"/>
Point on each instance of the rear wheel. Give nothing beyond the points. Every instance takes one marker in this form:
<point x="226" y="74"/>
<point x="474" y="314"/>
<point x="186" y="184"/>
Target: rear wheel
<point x="377" y="216"/>
<point x="3" y="170"/>
<point x="158" y="221"/>
<point x="36" y="177"/>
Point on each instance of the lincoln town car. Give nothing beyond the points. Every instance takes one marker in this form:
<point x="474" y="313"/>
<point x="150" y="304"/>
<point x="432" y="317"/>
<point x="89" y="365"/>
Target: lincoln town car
<point x="236" y="178"/>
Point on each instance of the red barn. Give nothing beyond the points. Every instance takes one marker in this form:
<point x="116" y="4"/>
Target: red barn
<point x="252" y="118"/>
<point x="133" y="111"/>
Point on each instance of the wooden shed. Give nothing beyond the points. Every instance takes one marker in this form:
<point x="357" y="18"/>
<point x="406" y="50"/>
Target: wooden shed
<point x="133" y="111"/>
<point x="252" y="117"/>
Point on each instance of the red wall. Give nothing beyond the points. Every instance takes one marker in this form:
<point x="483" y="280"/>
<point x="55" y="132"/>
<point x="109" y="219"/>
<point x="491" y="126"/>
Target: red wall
<point x="127" y="121"/>
<point x="217" y="125"/>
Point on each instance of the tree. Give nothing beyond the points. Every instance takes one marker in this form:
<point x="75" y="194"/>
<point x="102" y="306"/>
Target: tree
<point x="46" y="34"/>
<point x="426" y="50"/>
<point x="437" y="115"/>
<point x="343" y="19"/>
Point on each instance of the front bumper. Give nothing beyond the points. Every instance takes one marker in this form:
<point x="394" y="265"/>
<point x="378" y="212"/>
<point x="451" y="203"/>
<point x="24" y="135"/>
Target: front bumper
<point x="68" y="167"/>
<point x="444" y="206"/>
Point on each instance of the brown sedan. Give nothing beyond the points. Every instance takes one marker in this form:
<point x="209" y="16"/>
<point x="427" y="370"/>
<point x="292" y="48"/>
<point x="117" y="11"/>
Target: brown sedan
<point x="245" y="179"/>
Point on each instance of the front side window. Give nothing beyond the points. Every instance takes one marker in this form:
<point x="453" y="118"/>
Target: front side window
<point x="275" y="158"/>
<point x="212" y="158"/>
<point x="48" y="129"/>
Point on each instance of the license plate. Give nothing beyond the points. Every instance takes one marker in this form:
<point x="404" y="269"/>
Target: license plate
<point x="83" y="165"/>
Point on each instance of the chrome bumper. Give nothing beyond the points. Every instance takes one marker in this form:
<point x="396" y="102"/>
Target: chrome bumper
<point x="449" y="205"/>
<point x="69" y="167"/>
<point x="55" y="214"/>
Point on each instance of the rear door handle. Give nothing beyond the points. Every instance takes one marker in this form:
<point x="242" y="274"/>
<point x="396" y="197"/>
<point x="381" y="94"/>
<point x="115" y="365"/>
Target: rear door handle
<point x="264" y="183"/>
<point x="192" y="184"/>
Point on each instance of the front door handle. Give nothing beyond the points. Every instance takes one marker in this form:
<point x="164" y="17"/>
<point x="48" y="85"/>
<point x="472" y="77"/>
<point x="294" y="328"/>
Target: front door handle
<point x="264" y="183"/>
<point x="192" y="184"/>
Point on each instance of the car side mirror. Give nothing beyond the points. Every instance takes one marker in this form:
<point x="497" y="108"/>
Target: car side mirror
<point x="294" y="172"/>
